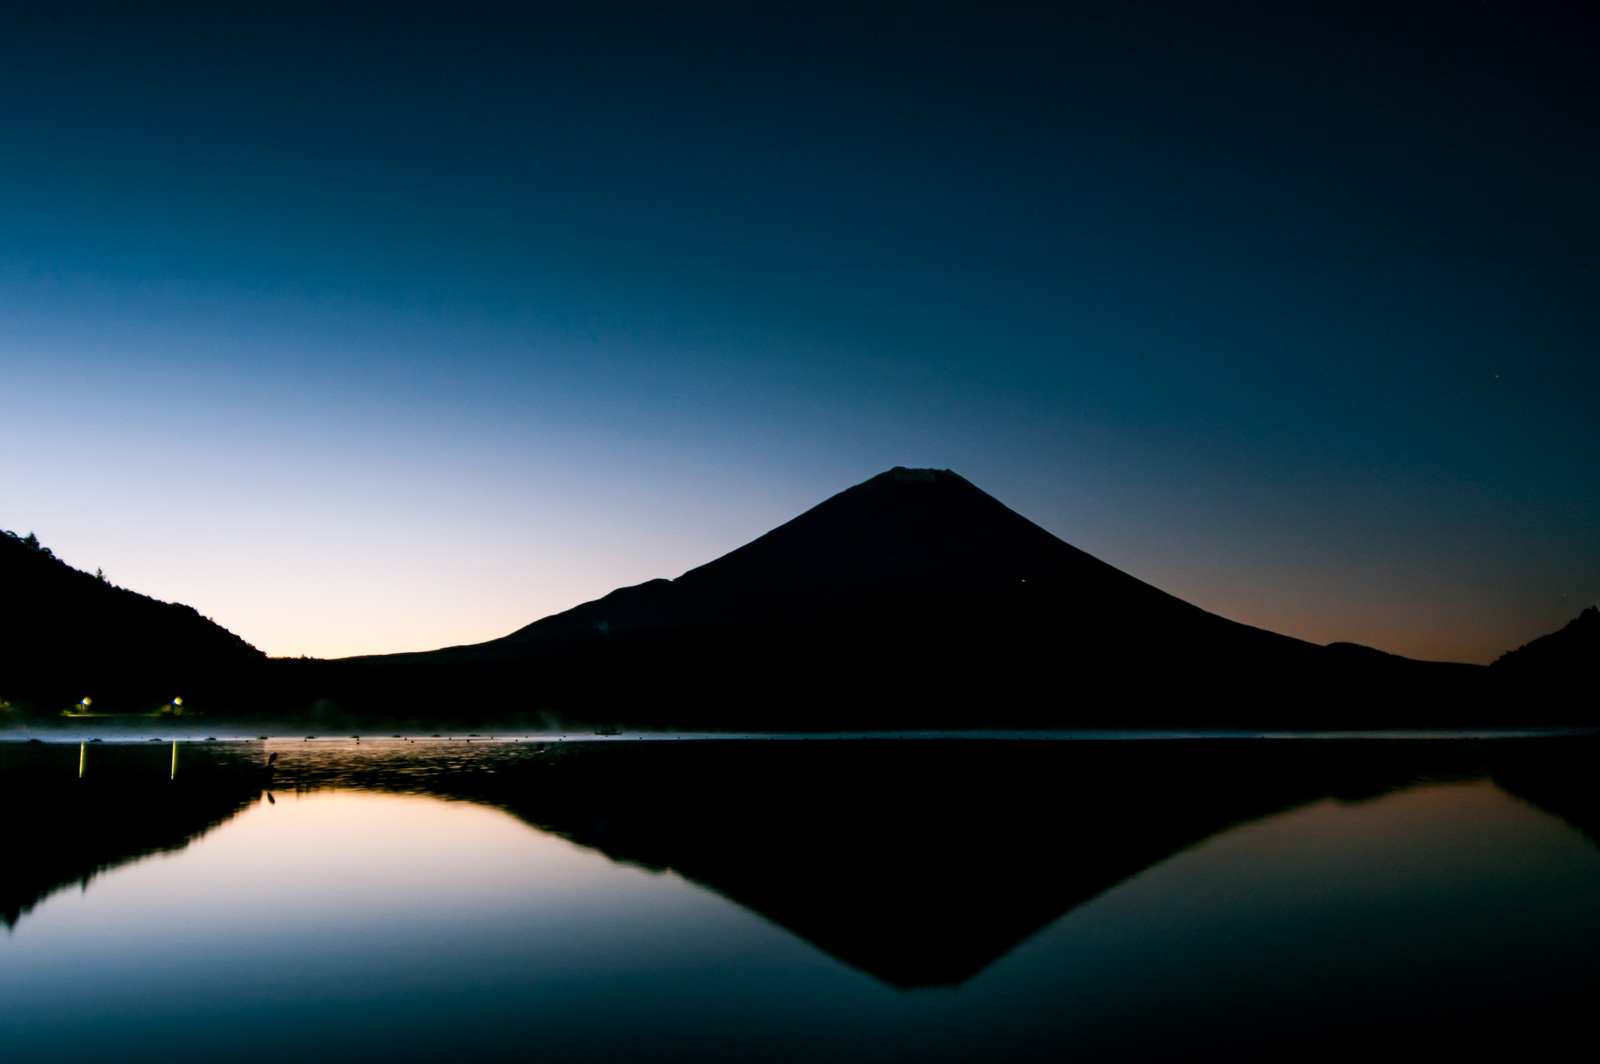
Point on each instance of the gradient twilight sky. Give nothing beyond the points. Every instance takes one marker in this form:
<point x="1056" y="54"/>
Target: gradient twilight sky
<point x="385" y="329"/>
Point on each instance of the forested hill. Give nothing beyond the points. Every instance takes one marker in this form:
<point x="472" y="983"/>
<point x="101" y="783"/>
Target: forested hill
<point x="63" y="629"/>
<point x="1571" y="653"/>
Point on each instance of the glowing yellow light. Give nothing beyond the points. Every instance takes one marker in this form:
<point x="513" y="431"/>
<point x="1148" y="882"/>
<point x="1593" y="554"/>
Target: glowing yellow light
<point x="177" y="701"/>
<point x="85" y="702"/>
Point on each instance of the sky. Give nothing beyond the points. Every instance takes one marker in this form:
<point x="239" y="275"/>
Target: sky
<point x="382" y="329"/>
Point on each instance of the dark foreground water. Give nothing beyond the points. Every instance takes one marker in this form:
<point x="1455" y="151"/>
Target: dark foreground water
<point x="863" y="900"/>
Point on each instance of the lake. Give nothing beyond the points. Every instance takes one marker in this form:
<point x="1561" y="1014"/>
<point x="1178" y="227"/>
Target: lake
<point x="864" y="899"/>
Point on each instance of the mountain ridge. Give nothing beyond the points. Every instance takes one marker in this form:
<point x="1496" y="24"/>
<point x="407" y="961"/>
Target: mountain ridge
<point x="912" y="600"/>
<point x="63" y="625"/>
<point x="916" y="600"/>
<point x="901" y="534"/>
<point x="1571" y="652"/>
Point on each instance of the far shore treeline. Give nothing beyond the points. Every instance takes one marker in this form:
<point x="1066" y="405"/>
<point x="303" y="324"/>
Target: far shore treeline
<point x="913" y="600"/>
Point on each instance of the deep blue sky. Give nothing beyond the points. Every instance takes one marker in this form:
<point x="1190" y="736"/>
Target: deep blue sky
<point x="376" y="331"/>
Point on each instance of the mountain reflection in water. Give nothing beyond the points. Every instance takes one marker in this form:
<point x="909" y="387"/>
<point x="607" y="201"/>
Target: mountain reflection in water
<point x="919" y="862"/>
<point x="64" y="828"/>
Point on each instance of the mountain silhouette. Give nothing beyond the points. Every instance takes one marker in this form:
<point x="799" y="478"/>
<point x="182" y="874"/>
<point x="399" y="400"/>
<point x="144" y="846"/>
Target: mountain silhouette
<point x="915" y="599"/>
<point x="908" y="535"/>
<point x="65" y="634"/>
<point x="1568" y="658"/>
<point x="912" y="600"/>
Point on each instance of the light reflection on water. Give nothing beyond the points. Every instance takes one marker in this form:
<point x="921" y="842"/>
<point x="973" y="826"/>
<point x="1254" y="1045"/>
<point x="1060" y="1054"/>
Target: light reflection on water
<point x="370" y="926"/>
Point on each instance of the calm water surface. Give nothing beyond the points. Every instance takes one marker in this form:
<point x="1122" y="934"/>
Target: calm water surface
<point x="396" y="904"/>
